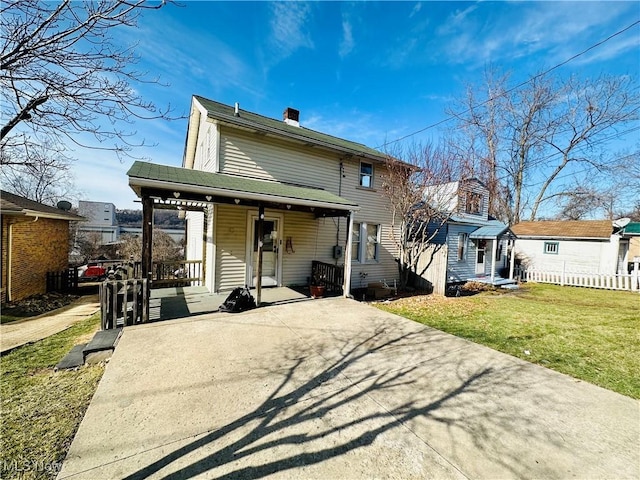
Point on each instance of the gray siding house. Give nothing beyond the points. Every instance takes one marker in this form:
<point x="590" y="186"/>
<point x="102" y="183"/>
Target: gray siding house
<point x="470" y="245"/>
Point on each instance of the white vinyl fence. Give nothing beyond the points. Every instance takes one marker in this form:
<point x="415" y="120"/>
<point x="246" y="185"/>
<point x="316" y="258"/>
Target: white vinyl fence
<point x="629" y="282"/>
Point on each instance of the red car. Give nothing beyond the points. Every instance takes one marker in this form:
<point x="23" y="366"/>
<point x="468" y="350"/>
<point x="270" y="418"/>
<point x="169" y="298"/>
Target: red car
<point x="94" y="273"/>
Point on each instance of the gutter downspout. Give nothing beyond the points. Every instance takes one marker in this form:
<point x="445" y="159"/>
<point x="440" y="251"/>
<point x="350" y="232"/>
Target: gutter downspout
<point x="9" y="260"/>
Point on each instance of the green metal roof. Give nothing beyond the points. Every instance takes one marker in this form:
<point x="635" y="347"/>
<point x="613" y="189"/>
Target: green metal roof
<point x="632" y="228"/>
<point x="248" y="119"/>
<point x="145" y="174"/>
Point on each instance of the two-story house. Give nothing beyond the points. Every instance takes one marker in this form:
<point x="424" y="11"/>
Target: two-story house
<point x="476" y="246"/>
<point x="270" y="195"/>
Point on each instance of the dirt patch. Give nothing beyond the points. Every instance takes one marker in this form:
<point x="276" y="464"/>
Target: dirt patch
<point x="37" y="305"/>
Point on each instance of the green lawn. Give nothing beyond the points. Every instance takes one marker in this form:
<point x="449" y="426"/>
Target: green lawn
<point x="593" y="335"/>
<point x="42" y="409"/>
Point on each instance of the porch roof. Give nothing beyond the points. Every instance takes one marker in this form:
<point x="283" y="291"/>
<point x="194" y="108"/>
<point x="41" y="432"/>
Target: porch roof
<point x="494" y="230"/>
<point x="215" y="187"/>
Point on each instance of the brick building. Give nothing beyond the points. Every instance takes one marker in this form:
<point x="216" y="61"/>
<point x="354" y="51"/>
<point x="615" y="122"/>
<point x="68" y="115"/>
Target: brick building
<point x="35" y="240"/>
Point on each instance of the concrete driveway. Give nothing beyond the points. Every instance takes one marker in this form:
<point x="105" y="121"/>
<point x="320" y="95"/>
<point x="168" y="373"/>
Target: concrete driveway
<point x="337" y="389"/>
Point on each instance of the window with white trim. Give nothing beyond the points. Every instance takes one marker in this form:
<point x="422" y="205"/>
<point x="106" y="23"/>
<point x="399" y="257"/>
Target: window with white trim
<point x="551" y="248"/>
<point x="365" y="242"/>
<point x="355" y="243"/>
<point x="366" y="175"/>
<point x="373" y="242"/>
<point x="463" y="238"/>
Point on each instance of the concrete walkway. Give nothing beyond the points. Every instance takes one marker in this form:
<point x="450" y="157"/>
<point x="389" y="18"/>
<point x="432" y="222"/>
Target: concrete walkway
<point x="335" y="389"/>
<point x="30" y="330"/>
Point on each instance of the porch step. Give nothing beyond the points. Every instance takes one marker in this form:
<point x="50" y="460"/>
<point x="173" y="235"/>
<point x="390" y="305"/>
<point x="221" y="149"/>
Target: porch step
<point x="102" y="345"/>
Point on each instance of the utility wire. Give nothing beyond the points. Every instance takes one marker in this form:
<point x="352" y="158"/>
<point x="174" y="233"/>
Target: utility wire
<point x="491" y="99"/>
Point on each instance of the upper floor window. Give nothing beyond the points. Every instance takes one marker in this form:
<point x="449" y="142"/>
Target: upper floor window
<point x="473" y="203"/>
<point x="551" y="248"/>
<point x="366" y="175"/>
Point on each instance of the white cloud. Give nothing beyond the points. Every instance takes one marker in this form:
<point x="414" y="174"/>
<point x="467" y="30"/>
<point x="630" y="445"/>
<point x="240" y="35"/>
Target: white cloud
<point x="289" y="29"/>
<point x="347" y="44"/>
<point x="416" y="9"/>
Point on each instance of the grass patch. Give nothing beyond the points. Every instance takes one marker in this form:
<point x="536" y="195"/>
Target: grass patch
<point x="42" y="409"/>
<point x="592" y="335"/>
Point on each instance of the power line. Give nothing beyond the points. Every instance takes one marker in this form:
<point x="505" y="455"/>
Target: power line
<point x="451" y="117"/>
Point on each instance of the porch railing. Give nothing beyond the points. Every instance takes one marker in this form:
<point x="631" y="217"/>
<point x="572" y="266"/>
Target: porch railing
<point x="331" y="276"/>
<point x="123" y="302"/>
<point x="177" y="274"/>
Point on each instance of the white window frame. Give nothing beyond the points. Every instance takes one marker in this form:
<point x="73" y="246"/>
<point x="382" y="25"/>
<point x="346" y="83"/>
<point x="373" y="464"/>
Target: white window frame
<point x="551" y="248"/>
<point x="355" y="244"/>
<point x="359" y="248"/>
<point x="366" y="175"/>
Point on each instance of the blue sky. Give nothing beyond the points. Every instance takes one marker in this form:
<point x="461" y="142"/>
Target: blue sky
<point x="367" y="71"/>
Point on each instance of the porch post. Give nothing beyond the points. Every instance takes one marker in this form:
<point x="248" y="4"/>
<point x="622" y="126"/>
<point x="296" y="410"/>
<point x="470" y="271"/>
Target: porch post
<point x="260" y="233"/>
<point x="147" y="243"/>
<point x="494" y="252"/>
<point x="512" y="260"/>
<point x="346" y="289"/>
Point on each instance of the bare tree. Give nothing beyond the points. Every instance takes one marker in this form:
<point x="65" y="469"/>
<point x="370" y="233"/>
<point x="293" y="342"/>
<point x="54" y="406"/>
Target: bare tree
<point x="65" y="77"/>
<point x="419" y="199"/>
<point x="46" y="178"/>
<point x="164" y="247"/>
<point x="533" y="135"/>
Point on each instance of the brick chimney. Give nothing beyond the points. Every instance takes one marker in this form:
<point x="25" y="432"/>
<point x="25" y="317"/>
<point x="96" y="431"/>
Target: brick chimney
<point x="291" y="116"/>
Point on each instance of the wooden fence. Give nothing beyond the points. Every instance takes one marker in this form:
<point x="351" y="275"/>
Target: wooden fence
<point x="431" y="269"/>
<point x="123" y="302"/>
<point x="331" y="276"/>
<point x="65" y="281"/>
<point x="629" y="282"/>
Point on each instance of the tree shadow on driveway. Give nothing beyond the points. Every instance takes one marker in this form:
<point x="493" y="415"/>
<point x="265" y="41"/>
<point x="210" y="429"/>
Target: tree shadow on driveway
<point x="342" y="408"/>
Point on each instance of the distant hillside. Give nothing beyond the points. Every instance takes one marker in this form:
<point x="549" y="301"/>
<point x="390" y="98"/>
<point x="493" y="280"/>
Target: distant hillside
<point x="161" y="218"/>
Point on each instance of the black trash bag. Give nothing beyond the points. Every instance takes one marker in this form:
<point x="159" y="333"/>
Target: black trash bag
<point x="239" y="300"/>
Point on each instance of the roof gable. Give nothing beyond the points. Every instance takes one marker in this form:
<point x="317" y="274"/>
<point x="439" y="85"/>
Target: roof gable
<point x="564" y="229"/>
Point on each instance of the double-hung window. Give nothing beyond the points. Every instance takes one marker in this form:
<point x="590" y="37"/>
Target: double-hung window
<point x="366" y="175"/>
<point x="355" y="243"/>
<point x="373" y="241"/>
<point x="365" y="242"/>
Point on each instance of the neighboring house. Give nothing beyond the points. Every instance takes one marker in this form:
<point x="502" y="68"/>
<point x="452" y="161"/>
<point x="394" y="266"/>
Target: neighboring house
<point x="102" y="220"/>
<point x="475" y="245"/>
<point x="312" y="187"/>
<point x="631" y="231"/>
<point x="579" y="246"/>
<point x="35" y="240"/>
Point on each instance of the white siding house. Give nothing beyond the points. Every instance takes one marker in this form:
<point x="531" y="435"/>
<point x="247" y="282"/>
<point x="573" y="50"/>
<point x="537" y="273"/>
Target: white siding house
<point x="579" y="246"/>
<point x="311" y="186"/>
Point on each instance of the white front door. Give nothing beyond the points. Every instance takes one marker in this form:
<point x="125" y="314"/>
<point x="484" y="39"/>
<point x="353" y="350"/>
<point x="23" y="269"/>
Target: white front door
<point x="271" y="259"/>
<point x="480" y="254"/>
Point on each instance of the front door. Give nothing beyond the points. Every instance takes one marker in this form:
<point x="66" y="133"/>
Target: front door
<point x="271" y="240"/>
<point x="480" y="254"/>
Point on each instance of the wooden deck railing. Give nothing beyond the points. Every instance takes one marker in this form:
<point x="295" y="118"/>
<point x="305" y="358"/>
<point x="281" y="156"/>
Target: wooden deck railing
<point x="177" y="274"/>
<point x="331" y="276"/>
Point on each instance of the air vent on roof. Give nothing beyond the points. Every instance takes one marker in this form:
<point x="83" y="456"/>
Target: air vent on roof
<point x="236" y="111"/>
<point x="291" y="116"/>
